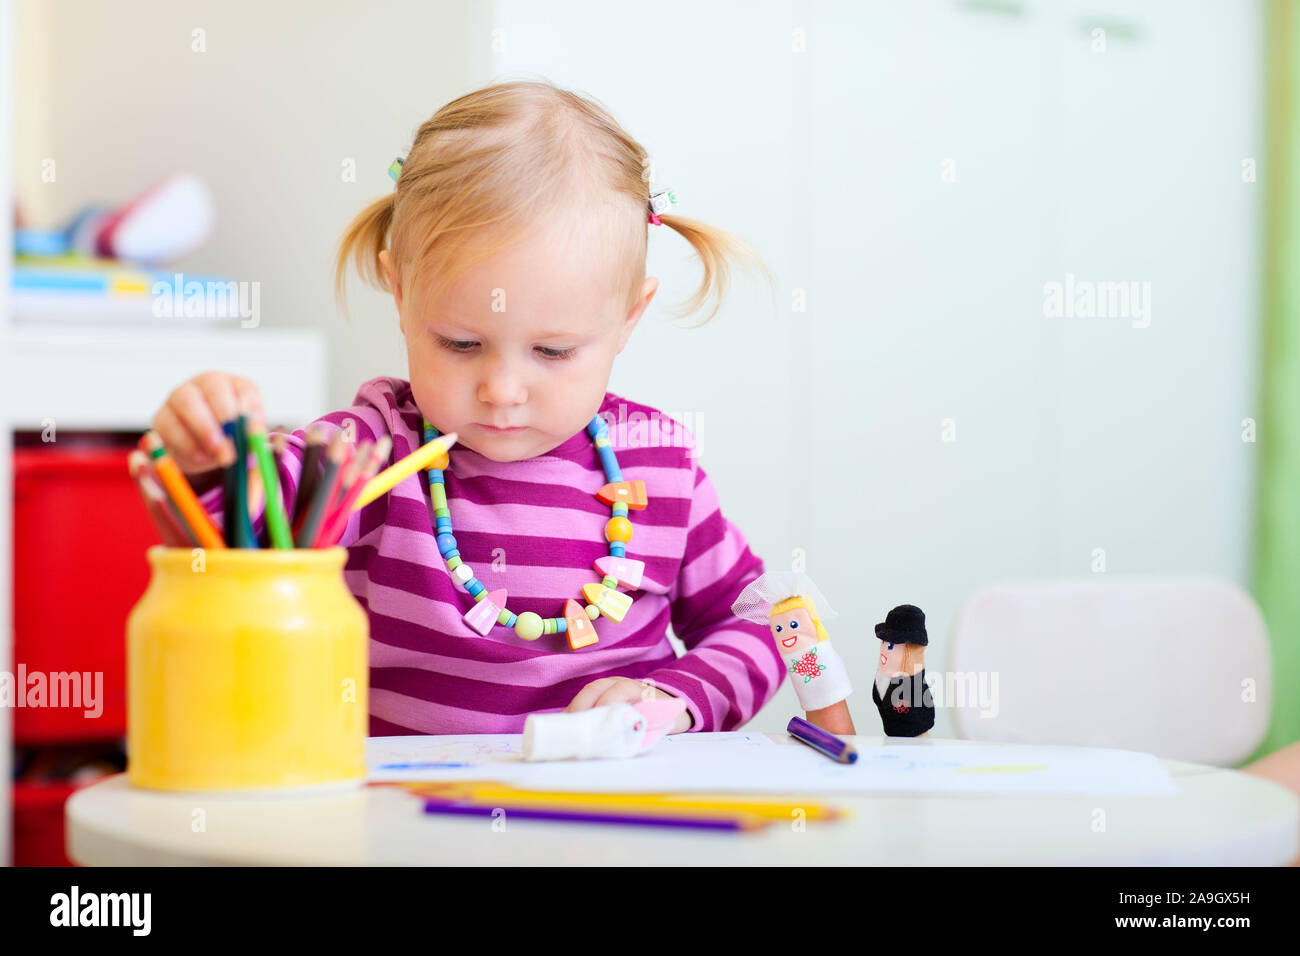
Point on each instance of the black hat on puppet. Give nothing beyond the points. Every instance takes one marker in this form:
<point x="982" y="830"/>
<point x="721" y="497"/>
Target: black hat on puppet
<point x="905" y="624"/>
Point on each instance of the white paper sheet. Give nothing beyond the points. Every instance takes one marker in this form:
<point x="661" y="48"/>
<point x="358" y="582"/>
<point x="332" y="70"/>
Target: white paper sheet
<point x="741" y="762"/>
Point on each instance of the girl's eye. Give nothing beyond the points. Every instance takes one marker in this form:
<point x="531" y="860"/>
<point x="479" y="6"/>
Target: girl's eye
<point x="793" y="625"/>
<point x="555" y="353"/>
<point x="891" y="647"/>
<point x="454" y="345"/>
<point x="778" y="629"/>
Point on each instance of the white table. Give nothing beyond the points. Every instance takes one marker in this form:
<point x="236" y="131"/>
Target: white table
<point x="1222" y="818"/>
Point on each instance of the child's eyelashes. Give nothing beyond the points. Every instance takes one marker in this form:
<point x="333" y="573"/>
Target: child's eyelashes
<point x="555" y="353"/>
<point x="455" y="345"/>
<point x="464" y="347"/>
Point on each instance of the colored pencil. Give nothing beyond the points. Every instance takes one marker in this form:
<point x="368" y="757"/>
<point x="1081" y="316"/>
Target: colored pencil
<point x="277" y="523"/>
<point x="497" y="794"/>
<point x="239" y="520"/>
<point x="378" y="454"/>
<point x="315" y="511"/>
<point x="180" y="492"/>
<point x="430" y="455"/>
<point x="310" y="471"/>
<point x="665" y="819"/>
<point x="820" y="740"/>
<point x="171" y="527"/>
<point x="229" y="479"/>
<point x="347" y="479"/>
<point x="344" y="482"/>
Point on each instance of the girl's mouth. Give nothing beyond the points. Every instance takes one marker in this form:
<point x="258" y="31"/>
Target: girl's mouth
<point x="788" y="641"/>
<point x="883" y="660"/>
<point x="503" y="431"/>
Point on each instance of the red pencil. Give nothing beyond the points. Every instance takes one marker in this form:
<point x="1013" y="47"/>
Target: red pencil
<point x="367" y="468"/>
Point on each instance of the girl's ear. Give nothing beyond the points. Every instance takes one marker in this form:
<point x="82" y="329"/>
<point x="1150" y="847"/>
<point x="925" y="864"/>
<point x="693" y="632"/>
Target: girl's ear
<point x="648" y="290"/>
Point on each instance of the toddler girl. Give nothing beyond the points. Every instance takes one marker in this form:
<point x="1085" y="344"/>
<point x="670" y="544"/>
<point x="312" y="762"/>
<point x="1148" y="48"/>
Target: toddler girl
<point x="514" y="246"/>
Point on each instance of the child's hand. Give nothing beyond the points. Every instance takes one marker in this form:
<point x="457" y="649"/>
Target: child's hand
<point x="189" y="424"/>
<point x="618" y="690"/>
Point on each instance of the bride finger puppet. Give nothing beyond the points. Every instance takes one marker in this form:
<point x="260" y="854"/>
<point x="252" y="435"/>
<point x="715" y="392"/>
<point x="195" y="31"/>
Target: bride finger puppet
<point x="899" y="692"/>
<point x="792" y="607"/>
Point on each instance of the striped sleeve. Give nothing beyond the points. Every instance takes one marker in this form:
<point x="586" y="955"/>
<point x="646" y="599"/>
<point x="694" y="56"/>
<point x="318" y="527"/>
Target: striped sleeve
<point x="731" y="667"/>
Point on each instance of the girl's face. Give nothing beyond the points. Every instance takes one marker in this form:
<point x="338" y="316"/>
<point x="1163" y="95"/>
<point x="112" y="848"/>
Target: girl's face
<point x="515" y="355"/>
<point x="793" y="631"/>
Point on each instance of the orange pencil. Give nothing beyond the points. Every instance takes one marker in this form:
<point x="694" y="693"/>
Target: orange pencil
<point x="170" y="528"/>
<point x="181" y="494"/>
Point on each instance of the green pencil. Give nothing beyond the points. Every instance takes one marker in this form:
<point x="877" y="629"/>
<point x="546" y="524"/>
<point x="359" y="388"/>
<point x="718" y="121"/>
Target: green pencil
<point x="277" y="524"/>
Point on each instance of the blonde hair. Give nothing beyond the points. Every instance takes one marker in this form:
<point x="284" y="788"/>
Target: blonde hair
<point x="488" y="167"/>
<point x="805" y="602"/>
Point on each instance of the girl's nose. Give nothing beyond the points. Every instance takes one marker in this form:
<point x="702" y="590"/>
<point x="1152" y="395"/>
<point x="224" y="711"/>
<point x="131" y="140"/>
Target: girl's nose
<point x="501" y="386"/>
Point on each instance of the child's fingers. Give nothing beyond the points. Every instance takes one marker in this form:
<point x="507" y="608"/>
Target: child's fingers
<point x="249" y="397"/>
<point x="219" y="389"/>
<point x="626" y="691"/>
<point x="588" y="696"/>
<point x="181" y="444"/>
<point x="191" y="406"/>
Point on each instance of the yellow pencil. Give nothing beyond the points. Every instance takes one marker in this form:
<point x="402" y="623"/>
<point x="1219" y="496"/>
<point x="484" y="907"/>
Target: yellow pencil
<point x="430" y="455"/>
<point x="772" y="808"/>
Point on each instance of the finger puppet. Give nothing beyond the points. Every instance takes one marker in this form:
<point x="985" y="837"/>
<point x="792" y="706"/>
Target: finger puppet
<point x="792" y="607"/>
<point x="905" y="703"/>
<point x="619" y="730"/>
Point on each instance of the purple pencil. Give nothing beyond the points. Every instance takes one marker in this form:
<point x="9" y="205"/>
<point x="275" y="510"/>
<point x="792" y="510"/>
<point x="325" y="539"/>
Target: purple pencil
<point x="575" y="816"/>
<point x="821" y="740"/>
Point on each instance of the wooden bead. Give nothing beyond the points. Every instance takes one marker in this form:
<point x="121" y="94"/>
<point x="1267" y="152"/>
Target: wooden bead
<point x="618" y="529"/>
<point x="462" y="573"/>
<point x="529" y="626"/>
<point x="593" y="612"/>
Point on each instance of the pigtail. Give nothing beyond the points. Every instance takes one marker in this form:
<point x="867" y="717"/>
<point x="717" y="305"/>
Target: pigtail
<point x="363" y="240"/>
<point x="718" y="250"/>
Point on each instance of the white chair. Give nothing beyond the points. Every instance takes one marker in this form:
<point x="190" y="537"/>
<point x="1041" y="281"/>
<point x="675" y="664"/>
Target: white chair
<point x="1177" y="667"/>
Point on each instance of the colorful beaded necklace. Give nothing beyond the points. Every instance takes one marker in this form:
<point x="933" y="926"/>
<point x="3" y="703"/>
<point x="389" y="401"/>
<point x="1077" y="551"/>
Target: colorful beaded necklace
<point x="616" y="568"/>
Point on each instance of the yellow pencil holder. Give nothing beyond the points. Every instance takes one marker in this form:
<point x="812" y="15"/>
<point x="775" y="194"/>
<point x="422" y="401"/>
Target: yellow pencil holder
<point x="246" y="670"/>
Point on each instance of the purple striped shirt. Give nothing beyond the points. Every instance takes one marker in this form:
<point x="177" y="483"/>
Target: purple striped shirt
<point x="534" y="527"/>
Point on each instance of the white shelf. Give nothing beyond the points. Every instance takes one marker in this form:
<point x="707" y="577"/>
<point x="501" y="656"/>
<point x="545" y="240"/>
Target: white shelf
<point x="111" y="377"/>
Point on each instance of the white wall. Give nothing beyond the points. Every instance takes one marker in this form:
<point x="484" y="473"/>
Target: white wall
<point x="281" y="95"/>
<point x="824" y="429"/>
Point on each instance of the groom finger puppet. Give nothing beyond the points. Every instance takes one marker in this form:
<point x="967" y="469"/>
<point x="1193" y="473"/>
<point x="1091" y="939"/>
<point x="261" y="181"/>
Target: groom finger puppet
<point x="899" y="691"/>
<point x="793" y="608"/>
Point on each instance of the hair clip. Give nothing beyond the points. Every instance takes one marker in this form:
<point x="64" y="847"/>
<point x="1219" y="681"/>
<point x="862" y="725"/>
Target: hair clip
<point x="396" y="167"/>
<point x="660" y="203"/>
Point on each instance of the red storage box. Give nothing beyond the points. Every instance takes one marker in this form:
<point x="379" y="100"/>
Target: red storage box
<point x="80" y="535"/>
<point x="38" y="824"/>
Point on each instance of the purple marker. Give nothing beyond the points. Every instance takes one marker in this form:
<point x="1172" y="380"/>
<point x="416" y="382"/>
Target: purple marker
<point x="821" y="740"/>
